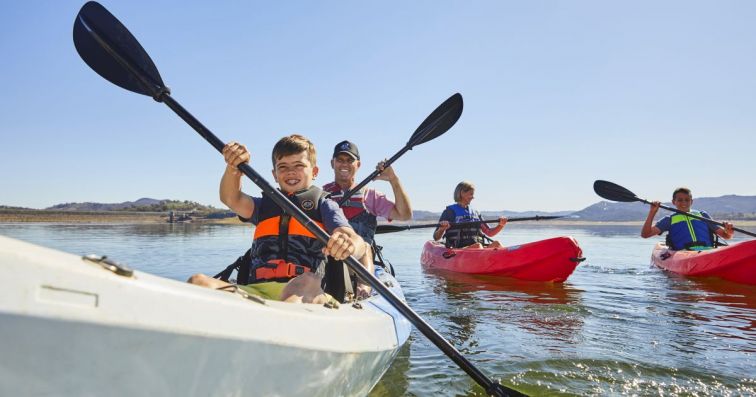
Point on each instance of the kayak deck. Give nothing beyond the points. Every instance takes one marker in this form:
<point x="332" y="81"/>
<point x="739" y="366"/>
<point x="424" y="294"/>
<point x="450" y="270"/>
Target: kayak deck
<point x="73" y="327"/>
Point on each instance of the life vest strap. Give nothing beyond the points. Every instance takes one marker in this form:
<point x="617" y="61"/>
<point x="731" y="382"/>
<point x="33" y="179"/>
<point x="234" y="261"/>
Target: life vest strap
<point x="276" y="269"/>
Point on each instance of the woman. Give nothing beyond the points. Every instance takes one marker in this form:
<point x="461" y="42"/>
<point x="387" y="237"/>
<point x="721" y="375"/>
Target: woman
<point x="468" y="236"/>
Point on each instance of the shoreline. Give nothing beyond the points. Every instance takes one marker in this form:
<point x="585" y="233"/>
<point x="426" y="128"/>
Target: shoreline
<point x="157" y="218"/>
<point x="102" y="217"/>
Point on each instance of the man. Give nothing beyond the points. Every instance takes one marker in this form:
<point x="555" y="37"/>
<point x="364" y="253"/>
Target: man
<point x="363" y="207"/>
<point x="684" y="232"/>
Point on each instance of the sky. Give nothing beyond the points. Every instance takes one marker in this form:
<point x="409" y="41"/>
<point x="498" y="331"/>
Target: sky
<point x="650" y="95"/>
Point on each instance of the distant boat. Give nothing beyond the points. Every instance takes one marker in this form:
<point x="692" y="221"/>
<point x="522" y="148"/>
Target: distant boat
<point x="180" y="218"/>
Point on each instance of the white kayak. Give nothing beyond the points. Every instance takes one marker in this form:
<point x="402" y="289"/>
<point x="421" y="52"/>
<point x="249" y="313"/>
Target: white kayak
<point x="76" y="327"/>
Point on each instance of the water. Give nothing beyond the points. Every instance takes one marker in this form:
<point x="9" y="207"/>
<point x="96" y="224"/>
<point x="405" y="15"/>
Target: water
<point x="616" y="327"/>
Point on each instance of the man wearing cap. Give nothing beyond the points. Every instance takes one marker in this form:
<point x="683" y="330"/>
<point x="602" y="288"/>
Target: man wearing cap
<point x="365" y="205"/>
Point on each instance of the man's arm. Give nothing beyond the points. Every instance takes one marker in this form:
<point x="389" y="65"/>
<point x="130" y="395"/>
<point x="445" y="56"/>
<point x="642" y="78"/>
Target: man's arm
<point x="402" y="210"/>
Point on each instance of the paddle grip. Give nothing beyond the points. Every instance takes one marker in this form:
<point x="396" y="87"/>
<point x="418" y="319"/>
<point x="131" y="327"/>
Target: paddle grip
<point x="372" y="176"/>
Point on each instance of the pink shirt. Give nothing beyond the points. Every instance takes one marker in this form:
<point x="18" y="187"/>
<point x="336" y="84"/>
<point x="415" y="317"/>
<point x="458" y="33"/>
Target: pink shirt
<point x="374" y="201"/>
<point x="377" y="203"/>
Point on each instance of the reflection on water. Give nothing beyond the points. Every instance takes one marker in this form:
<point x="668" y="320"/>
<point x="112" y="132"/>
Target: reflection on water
<point x="540" y="308"/>
<point x="617" y="326"/>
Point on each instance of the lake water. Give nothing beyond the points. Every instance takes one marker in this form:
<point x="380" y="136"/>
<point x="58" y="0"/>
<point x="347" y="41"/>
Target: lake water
<point x="617" y="326"/>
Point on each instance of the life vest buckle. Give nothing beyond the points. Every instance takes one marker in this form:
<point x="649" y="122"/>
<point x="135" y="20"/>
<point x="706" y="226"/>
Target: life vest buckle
<point x="279" y="269"/>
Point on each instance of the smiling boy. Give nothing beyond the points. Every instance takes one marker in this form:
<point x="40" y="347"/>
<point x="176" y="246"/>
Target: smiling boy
<point x="287" y="260"/>
<point x="684" y="232"/>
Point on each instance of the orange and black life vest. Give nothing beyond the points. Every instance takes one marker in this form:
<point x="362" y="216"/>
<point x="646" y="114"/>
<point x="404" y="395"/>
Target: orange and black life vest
<point x="283" y="248"/>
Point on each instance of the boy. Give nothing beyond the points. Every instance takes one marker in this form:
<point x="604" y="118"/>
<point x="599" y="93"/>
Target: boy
<point x="287" y="260"/>
<point x="684" y="232"/>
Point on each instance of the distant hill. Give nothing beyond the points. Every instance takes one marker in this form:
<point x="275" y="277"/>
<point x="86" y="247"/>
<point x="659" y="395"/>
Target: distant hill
<point x="141" y="205"/>
<point x="420" y="215"/>
<point x="90" y="206"/>
<point x="523" y="214"/>
<point x="730" y="207"/>
<point x="433" y="216"/>
<point x="724" y="207"/>
<point x="10" y="208"/>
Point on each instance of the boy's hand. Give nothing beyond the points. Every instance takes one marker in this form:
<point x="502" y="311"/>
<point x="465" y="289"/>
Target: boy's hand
<point x="728" y="228"/>
<point x="235" y="154"/>
<point x="339" y="246"/>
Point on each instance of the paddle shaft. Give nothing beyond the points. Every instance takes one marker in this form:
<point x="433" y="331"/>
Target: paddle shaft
<point x="354" y="265"/>
<point x="746" y="232"/>
<point x="414" y="140"/>
<point x="392" y="228"/>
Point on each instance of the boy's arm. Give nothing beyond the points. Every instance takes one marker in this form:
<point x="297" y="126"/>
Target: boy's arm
<point x="360" y="251"/>
<point x="230" y="185"/>
<point x="233" y="197"/>
<point x="648" y="229"/>
<point x="725" y="232"/>
<point x="345" y="241"/>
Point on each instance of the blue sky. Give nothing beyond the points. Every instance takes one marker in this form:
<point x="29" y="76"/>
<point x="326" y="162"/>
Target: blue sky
<point x="557" y="94"/>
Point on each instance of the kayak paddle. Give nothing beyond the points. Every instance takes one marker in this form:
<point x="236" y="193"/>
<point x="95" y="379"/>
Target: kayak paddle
<point x="437" y="123"/>
<point x="398" y="228"/>
<point x="113" y="52"/>
<point x="614" y="192"/>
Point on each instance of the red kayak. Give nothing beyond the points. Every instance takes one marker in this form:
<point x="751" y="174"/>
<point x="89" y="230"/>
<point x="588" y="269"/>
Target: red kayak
<point x="735" y="262"/>
<point x="553" y="259"/>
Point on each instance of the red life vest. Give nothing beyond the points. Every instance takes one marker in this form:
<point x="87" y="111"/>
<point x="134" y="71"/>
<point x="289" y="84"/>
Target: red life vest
<point x="363" y="222"/>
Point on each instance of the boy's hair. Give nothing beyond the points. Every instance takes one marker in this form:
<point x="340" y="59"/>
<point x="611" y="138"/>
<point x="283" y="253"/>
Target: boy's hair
<point x="294" y="144"/>
<point x="463" y="186"/>
<point x="681" y="190"/>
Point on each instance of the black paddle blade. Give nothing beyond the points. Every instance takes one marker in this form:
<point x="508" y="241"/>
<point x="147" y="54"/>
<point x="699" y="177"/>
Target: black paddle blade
<point x="112" y="51"/>
<point x="438" y="122"/>
<point x="614" y="192"/>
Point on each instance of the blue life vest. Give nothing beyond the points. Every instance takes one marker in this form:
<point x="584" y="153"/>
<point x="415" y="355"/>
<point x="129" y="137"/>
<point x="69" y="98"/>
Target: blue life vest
<point x="463" y="236"/>
<point x="686" y="232"/>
